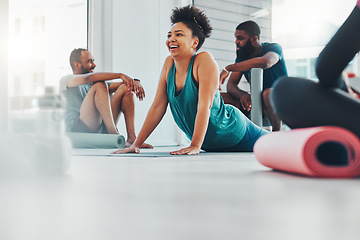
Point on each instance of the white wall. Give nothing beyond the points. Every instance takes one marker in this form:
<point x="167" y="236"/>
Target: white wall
<point x="4" y="108"/>
<point x="224" y="16"/>
<point x="129" y="37"/>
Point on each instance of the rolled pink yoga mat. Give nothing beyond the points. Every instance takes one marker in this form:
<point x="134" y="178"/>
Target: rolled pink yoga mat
<point x="319" y="152"/>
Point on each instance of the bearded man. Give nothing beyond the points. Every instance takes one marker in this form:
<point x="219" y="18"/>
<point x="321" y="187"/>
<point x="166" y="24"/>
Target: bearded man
<point x="251" y="53"/>
<point x="94" y="102"/>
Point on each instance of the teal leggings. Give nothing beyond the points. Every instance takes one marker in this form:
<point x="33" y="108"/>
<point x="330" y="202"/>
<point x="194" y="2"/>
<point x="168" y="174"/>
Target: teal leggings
<point x="252" y="134"/>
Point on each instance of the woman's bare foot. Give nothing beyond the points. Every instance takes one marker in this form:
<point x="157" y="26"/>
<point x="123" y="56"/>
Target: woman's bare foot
<point x="144" y="145"/>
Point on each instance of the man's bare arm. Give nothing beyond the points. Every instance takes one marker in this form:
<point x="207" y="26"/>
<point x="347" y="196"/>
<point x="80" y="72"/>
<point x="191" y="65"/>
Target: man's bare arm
<point x="264" y="62"/>
<point x="80" y="79"/>
<point x="232" y="85"/>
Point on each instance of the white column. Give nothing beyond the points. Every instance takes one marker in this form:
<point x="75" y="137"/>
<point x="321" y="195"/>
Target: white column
<point x="255" y="92"/>
<point x="100" y="33"/>
<point x="4" y="98"/>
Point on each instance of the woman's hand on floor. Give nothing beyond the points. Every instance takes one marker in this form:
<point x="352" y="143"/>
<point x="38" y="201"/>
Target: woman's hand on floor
<point x="131" y="149"/>
<point x="187" y="151"/>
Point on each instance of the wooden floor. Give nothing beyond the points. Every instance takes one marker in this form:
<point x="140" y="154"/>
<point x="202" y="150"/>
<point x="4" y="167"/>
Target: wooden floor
<point x="157" y="197"/>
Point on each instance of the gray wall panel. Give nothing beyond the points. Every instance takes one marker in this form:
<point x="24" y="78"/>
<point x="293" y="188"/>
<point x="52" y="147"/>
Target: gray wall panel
<point x="224" y="16"/>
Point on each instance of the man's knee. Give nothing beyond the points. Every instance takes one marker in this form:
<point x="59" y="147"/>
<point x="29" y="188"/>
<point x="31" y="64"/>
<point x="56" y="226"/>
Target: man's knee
<point x="266" y="96"/>
<point x="123" y="90"/>
<point x="123" y="95"/>
<point x="99" y="86"/>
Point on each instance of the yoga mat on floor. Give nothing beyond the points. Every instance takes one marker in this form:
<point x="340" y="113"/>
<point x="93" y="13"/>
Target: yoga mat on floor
<point x="154" y="153"/>
<point x="144" y="154"/>
<point x="96" y="140"/>
<point x="319" y="152"/>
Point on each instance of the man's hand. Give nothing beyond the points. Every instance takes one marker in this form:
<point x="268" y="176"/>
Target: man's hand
<point x="245" y="101"/>
<point x="139" y="90"/>
<point x="223" y="76"/>
<point x="128" y="81"/>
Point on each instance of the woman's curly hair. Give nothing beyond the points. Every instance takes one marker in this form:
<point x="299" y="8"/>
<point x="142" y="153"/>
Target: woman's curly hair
<point x="195" y="20"/>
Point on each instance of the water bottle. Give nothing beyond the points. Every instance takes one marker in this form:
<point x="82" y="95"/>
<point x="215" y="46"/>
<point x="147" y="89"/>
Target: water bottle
<point x="53" y="147"/>
<point x="50" y="113"/>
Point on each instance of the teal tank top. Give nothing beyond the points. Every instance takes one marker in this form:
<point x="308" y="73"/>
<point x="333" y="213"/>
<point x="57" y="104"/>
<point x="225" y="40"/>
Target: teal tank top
<point x="227" y="124"/>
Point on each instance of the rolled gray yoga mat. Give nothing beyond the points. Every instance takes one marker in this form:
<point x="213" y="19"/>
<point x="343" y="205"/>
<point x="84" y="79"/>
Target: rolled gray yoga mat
<point x="96" y="140"/>
<point x="255" y="92"/>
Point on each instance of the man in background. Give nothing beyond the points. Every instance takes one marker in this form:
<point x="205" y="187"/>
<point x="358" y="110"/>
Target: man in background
<point x="93" y="104"/>
<point x="251" y="53"/>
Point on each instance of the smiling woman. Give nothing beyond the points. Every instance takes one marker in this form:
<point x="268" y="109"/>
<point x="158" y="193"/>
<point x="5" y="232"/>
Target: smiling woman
<point x="189" y="84"/>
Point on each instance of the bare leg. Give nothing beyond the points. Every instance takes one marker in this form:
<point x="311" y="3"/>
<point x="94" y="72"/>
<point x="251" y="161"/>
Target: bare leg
<point x="123" y="101"/>
<point x="269" y="110"/>
<point x="96" y="109"/>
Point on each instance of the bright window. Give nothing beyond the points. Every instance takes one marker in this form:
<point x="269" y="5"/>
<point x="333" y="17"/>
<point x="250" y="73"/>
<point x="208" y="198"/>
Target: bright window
<point x="42" y="34"/>
<point x="304" y="27"/>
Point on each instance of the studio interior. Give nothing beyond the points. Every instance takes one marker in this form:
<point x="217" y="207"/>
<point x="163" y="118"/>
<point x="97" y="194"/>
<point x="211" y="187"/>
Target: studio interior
<point x="179" y="119"/>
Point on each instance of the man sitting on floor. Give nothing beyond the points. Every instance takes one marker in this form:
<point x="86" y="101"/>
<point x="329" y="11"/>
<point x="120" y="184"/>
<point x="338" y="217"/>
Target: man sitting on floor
<point x="94" y="105"/>
<point x="251" y="53"/>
